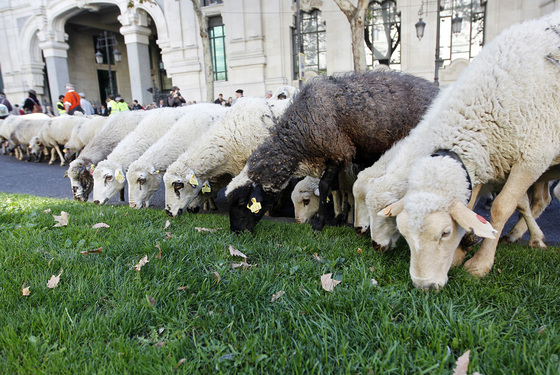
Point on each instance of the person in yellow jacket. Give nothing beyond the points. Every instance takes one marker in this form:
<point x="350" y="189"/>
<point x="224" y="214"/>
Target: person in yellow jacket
<point x="60" y="105"/>
<point x="122" y="106"/>
<point x="112" y="105"/>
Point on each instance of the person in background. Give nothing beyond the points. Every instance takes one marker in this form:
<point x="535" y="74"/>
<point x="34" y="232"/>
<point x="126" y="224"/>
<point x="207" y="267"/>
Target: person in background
<point x="220" y="100"/>
<point x="103" y="111"/>
<point x="72" y="100"/>
<point x="49" y="111"/>
<point x="111" y="105"/>
<point x="282" y="96"/>
<point x="229" y="102"/>
<point x="6" y="108"/>
<point x="86" y="105"/>
<point x="175" y="99"/>
<point x="269" y="94"/>
<point x="60" y="105"/>
<point x="238" y="95"/>
<point x="17" y="110"/>
<point x="31" y="104"/>
<point x="135" y="105"/>
<point x="122" y="106"/>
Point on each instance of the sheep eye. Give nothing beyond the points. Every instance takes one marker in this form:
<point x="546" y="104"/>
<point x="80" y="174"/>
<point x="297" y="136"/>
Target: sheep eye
<point x="446" y="233"/>
<point x="306" y="202"/>
<point x="141" y="181"/>
<point x="108" y="178"/>
<point x="178" y="185"/>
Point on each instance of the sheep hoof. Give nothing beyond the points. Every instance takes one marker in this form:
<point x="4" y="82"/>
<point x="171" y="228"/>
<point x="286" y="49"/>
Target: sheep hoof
<point x="475" y="269"/>
<point x="538" y="244"/>
<point x="506" y="240"/>
<point x="50" y="162"/>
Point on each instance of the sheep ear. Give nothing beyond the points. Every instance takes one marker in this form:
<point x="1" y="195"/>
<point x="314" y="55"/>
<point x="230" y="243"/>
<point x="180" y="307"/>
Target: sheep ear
<point x="316" y="192"/>
<point x="471" y="222"/>
<point x="392" y="209"/>
<point x="119" y="176"/>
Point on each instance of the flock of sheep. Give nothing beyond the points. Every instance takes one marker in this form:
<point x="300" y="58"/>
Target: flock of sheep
<point x="398" y="157"/>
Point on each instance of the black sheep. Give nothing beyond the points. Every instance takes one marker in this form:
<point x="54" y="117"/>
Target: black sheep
<point x="334" y="121"/>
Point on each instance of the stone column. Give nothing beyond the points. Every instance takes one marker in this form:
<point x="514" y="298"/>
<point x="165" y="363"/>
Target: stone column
<point x="136" y="39"/>
<point x="56" y="59"/>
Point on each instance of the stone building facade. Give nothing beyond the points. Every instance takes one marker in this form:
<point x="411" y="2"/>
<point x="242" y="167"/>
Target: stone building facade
<point x="47" y="43"/>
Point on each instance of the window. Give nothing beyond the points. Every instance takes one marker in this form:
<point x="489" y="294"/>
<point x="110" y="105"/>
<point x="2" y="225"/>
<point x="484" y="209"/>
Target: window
<point x="216" y="34"/>
<point x="205" y="3"/>
<point x="469" y="41"/>
<point x="314" y="36"/>
<point x="383" y="34"/>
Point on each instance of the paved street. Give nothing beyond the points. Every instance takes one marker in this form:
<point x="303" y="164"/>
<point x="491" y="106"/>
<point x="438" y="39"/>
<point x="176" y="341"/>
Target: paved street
<point x="46" y="180"/>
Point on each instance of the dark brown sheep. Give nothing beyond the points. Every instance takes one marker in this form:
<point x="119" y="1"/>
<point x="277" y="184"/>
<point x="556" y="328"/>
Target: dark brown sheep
<point x="333" y="121"/>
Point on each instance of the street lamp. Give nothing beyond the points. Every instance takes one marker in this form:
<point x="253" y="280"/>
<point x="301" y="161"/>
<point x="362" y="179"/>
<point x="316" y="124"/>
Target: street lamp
<point x="107" y="40"/>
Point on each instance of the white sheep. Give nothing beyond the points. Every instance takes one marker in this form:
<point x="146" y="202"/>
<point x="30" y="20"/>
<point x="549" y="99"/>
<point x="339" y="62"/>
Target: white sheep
<point x="53" y="133"/>
<point x="109" y="175"/>
<point x="145" y="174"/>
<point x="220" y="154"/>
<point x="115" y="129"/>
<point x="498" y="125"/>
<point x="27" y="127"/>
<point x="82" y="133"/>
<point x="7" y="126"/>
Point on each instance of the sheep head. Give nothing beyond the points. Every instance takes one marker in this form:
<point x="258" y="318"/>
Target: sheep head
<point x="35" y="145"/>
<point x="81" y="179"/>
<point x="142" y="185"/>
<point x="109" y="179"/>
<point x="305" y="198"/>
<point x="247" y="205"/>
<point x="183" y="191"/>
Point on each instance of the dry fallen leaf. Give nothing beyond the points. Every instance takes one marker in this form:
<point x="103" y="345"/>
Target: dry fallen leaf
<point x="152" y="301"/>
<point x="205" y="230"/>
<point x="374" y="282"/>
<point x="277" y="296"/>
<point x="181" y="361"/>
<point x="328" y="282"/>
<point x="94" y="251"/>
<point x="462" y="364"/>
<point x="141" y="263"/>
<point x="62" y="220"/>
<point x="242" y="264"/>
<point x="233" y="251"/>
<point x="47" y="211"/>
<point x="158" y="256"/>
<point x="359" y="250"/>
<point x="25" y="290"/>
<point x="100" y="225"/>
<point x="167" y="224"/>
<point x="168" y="235"/>
<point x="317" y="257"/>
<point x="217" y="275"/>
<point x="160" y="344"/>
<point x="53" y="281"/>
<point x="183" y="287"/>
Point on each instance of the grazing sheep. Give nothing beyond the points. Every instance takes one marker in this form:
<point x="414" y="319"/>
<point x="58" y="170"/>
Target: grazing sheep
<point x="220" y="154"/>
<point x="332" y="122"/>
<point x="80" y="170"/>
<point x="498" y="125"/>
<point x="25" y="130"/>
<point x="145" y="174"/>
<point x="109" y="175"/>
<point x="53" y="133"/>
<point x="82" y="133"/>
<point x="7" y="126"/>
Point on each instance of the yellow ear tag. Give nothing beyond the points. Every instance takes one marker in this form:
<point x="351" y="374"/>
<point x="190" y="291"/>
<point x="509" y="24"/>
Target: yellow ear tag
<point x="206" y="188"/>
<point x="193" y="181"/>
<point x="328" y="200"/>
<point x="255" y="206"/>
<point x="119" y="177"/>
<point x="387" y="211"/>
<point x="65" y="150"/>
<point x="91" y="169"/>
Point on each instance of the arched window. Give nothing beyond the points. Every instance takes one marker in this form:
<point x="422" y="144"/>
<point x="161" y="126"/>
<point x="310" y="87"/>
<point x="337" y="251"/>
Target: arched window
<point x="314" y="38"/>
<point x="383" y="34"/>
<point x="468" y="42"/>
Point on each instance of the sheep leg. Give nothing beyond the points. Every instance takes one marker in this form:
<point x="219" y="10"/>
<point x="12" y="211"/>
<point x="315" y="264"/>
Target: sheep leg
<point x="331" y="173"/>
<point x="556" y="192"/>
<point x="469" y="239"/>
<point x="519" y="180"/>
<point x="53" y="156"/>
<point x="60" y="155"/>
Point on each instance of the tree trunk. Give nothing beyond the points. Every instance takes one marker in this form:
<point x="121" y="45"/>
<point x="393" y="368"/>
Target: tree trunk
<point x="208" y="71"/>
<point x="356" y="17"/>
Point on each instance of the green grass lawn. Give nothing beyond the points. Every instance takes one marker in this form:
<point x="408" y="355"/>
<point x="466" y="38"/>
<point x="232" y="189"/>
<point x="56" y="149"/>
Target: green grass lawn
<point x="189" y="311"/>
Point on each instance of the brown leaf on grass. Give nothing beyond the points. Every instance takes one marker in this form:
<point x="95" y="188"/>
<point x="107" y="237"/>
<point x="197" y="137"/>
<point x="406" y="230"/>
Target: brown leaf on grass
<point x="462" y="364"/>
<point x="206" y="229"/>
<point x="61" y="220"/>
<point x="47" y="211"/>
<point x="53" y="281"/>
<point x="317" y="257"/>
<point x="217" y="275"/>
<point x="100" y="225"/>
<point x="241" y="265"/>
<point x="181" y="362"/>
<point x="167" y="224"/>
<point x="277" y="296"/>
<point x="359" y="251"/>
<point x="328" y="282"/>
<point x="94" y="251"/>
<point x="151" y="300"/>
<point x="168" y="235"/>
<point x="141" y="263"/>
<point x="158" y="256"/>
<point x="160" y="344"/>
<point x="25" y="290"/>
<point x="183" y="287"/>
<point x="236" y="253"/>
<point x="374" y="282"/>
